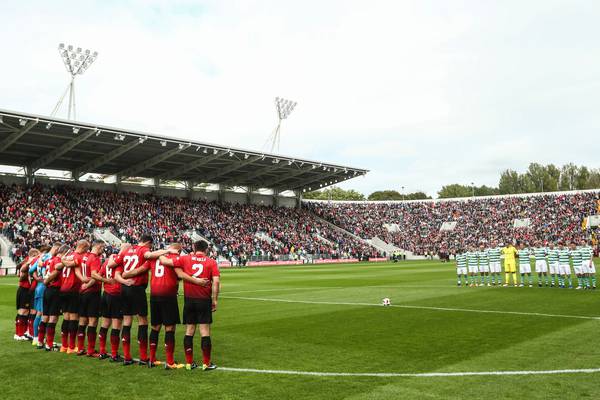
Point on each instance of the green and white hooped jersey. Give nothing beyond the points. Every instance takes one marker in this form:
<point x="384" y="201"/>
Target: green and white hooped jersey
<point x="587" y="252"/>
<point x="540" y="253"/>
<point x="483" y="258"/>
<point x="553" y="256"/>
<point x="523" y="256"/>
<point x="461" y="261"/>
<point x="577" y="257"/>
<point x="494" y="254"/>
<point x="472" y="258"/>
<point x="563" y="256"/>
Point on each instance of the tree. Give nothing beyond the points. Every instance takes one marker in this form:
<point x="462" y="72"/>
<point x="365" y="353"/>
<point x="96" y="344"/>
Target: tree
<point x="594" y="179"/>
<point x="509" y="182"/>
<point x="334" y="193"/>
<point x="568" y="177"/>
<point x="582" y="178"/>
<point x="553" y="178"/>
<point x="537" y="174"/>
<point x="387" y="195"/>
<point x="455" y="190"/>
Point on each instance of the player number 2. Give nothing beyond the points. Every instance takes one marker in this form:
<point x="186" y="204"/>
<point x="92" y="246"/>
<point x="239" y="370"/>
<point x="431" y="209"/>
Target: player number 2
<point x="159" y="269"/>
<point x="198" y="268"/>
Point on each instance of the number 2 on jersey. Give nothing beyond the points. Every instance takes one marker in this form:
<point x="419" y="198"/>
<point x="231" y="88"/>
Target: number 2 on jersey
<point x="198" y="268"/>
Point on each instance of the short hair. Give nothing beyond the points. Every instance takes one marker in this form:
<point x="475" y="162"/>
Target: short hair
<point x="33" y="252"/>
<point x="57" y="244"/>
<point x="176" y="245"/>
<point x="83" y="243"/>
<point x="201" y="245"/>
<point x="62" y="249"/>
<point x="146" y="238"/>
<point x="98" y="243"/>
<point x="44" y="249"/>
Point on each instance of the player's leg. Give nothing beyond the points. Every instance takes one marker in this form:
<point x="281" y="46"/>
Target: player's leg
<point x="81" y="329"/>
<point x="74" y="324"/>
<point x="93" y="313"/>
<point x="126" y="339"/>
<point x="64" y="327"/>
<point x="593" y="274"/>
<point x="188" y="345"/>
<point x="22" y="313"/>
<point x="458" y="275"/>
<point x="115" y="332"/>
<point x="170" y="346"/>
<point x="50" y="332"/>
<point x="170" y="313"/>
<point x="141" y="308"/>
<point x="102" y="334"/>
<point x="156" y="312"/>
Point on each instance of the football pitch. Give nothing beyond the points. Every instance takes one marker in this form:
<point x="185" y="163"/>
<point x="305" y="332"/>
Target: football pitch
<point x="319" y="332"/>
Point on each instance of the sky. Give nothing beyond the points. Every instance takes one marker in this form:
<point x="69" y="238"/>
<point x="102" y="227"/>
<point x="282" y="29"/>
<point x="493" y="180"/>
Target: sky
<point x="421" y="93"/>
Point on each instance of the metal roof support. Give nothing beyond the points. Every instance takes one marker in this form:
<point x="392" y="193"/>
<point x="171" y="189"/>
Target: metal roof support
<point x="221" y="194"/>
<point x="298" y="198"/>
<point x="59" y="151"/>
<point x="13" y="137"/>
<point x="188" y="167"/>
<point x="189" y="189"/>
<point x="249" y="191"/>
<point x="275" y="181"/>
<point x="156" y="184"/>
<point x="301" y="184"/>
<point x="131" y="171"/>
<point x="119" y="184"/>
<point x="210" y="178"/>
<point x="254" y="174"/>
<point x="100" y="161"/>
<point x="276" y="197"/>
<point x="29" y="175"/>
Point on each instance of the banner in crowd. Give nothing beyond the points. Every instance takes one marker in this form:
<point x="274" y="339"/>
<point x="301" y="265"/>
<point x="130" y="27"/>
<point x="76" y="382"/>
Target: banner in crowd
<point x="226" y="264"/>
<point x="448" y="226"/>
<point x="522" y="223"/>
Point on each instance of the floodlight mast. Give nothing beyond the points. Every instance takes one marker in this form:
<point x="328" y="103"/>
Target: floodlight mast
<point x="76" y="61"/>
<point x="284" y="108"/>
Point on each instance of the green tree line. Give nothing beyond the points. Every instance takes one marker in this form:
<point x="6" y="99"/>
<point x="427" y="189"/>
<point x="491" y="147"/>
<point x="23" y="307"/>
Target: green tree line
<point x="537" y="178"/>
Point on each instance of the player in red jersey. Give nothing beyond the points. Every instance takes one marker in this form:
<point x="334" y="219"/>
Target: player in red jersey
<point x="133" y="295"/>
<point x="111" y="309"/>
<point x="40" y="275"/>
<point x="200" y="300"/>
<point x="69" y="293"/>
<point x="23" y="297"/>
<point x="52" y="280"/>
<point x="32" y="285"/>
<point x="89" y="302"/>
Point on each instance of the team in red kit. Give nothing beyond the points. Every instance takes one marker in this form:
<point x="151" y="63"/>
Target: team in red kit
<point x="90" y="292"/>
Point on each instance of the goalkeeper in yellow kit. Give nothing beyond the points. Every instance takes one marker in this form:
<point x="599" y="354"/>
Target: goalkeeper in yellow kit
<point x="510" y="265"/>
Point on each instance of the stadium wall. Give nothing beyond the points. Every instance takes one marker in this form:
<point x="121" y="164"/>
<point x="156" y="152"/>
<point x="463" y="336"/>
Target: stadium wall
<point x="229" y="197"/>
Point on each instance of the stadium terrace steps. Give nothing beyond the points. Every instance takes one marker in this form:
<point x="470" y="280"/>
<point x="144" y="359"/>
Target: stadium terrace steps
<point x="322" y="239"/>
<point x="268" y="239"/>
<point x="8" y="266"/>
<point x="107" y="236"/>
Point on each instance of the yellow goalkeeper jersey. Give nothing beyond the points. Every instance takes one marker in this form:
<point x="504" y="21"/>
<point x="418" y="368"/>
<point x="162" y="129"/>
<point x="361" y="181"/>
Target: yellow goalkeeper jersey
<point x="509" y="253"/>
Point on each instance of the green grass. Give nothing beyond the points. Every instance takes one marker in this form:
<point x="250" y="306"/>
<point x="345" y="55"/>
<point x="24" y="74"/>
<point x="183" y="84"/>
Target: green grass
<point x="345" y="338"/>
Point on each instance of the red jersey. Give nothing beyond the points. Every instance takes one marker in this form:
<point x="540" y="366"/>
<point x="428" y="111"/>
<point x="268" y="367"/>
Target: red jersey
<point x="50" y="268"/>
<point x="113" y="289"/>
<point x="32" y="281"/>
<point x="69" y="281"/>
<point x="90" y="263"/>
<point x="199" y="266"/>
<point x="24" y="276"/>
<point x="132" y="258"/>
<point x="164" y="280"/>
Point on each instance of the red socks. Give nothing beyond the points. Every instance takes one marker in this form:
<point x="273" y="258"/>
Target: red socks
<point x="41" y="332"/>
<point x="91" y="339"/>
<point x="102" y="340"/>
<point x="153" y="345"/>
<point x="170" y="347"/>
<point x="143" y="341"/>
<point x="114" y="342"/>
<point x="206" y="345"/>
<point x="188" y="345"/>
<point x="125" y="338"/>
<point x="81" y="337"/>
<point x="50" y="334"/>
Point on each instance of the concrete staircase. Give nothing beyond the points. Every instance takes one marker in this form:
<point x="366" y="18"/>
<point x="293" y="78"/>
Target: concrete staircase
<point x="358" y="238"/>
<point x="105" y="235"/>
<point x="8" y="266"/>
<point x="263" y="236"/>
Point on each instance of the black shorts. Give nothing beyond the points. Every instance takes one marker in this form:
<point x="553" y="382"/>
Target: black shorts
<point x="134" y="300"/>
<point x="32" y="298"/>
<point x="197" y="311"/>
<point x="111" y="306"/>
<point x="164" y="310"/>
<point x="52" y="301"/>
<point x="69" y="302"/>
<point x="23" y="298"/>
<point x="89" y="304"/>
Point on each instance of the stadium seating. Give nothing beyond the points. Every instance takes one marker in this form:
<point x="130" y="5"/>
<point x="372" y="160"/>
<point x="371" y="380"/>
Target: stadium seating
<point x="31" y="216"/>
<point x="553" y="217"/>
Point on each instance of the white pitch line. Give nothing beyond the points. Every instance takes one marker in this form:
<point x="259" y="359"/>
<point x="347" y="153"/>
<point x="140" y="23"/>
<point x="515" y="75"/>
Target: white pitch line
<point x="284" y="289"/>
<point x="413" y="375"/>
<point x="417" y="307"/>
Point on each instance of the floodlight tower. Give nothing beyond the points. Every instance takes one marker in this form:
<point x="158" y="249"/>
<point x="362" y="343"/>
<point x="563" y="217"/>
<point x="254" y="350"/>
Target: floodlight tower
<point x="284" y="108"/>
<point x="76" y="61"/>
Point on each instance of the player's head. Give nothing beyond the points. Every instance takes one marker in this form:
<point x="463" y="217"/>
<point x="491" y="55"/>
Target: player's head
<point x="583" y="242"/>
<point x="494" y="243"/>
<point x="62" y="250"/>
<point x="146" y="240"/>
<point x="44" y="249"/>
<point x="82" y="246"/>
<point x="573" y="245"/>
<point x="551" y="245"/>
<point x="176" y="246"/>
<point x="201" y="245"/>
<point x="124" y="246"/>
<point x="481" y="246"/>
<point x="98" y="246"/>
<point x="520" y="245"/>
<point x="33" y="252"/>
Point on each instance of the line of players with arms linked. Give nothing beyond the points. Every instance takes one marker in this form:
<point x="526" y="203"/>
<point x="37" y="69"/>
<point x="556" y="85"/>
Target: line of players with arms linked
<point x="82" y="287"/>
<point x="552" y="265"/>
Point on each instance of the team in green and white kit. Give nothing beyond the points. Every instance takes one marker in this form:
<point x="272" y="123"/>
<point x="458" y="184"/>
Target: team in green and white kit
<point x="552" y="265"/>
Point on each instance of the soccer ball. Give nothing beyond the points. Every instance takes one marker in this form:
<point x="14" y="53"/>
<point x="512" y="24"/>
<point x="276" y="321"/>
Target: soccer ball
<point x="386" y="302"/>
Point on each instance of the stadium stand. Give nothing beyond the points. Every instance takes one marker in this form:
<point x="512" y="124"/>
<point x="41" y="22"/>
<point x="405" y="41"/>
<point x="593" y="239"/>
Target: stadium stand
<point x="553" y="217"/>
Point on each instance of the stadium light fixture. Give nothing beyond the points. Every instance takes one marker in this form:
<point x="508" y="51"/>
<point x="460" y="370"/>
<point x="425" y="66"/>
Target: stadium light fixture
<point x="284" y="108"/>
<point x="49" y="125"/>
<point x="76" y="62"/>
<point x="76" y="130"/>
<point x="22" y="121"/>
<point x="163" y="143"/>
<point x="205" y="150"/>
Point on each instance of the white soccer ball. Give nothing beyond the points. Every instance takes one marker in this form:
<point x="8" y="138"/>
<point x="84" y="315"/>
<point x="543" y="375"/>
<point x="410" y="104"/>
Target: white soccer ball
<point x="386" y="302"/>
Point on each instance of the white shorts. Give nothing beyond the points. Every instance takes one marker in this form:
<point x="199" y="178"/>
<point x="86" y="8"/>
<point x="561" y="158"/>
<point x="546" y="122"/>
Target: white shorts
<point x="541" y="266"/>
<point x="592" y="267"/>
<point x="461" y="271"/>
<point x="495" y="267"/>
<point x="484" y="268"/>
<point x="554" y="268"/>
<point x="525" y="268"/>
<point x="564" y="269"/>
<point x="579" y="269"/>
<point x="473" y="269"/>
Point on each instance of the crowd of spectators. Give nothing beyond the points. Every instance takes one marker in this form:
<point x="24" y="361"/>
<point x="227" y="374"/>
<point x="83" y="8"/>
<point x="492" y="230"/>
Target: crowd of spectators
<point x="31" y="216"/>
<point x="553" y="218"/>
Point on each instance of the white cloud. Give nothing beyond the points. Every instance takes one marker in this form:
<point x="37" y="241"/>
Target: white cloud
<point x="422" y="93"/>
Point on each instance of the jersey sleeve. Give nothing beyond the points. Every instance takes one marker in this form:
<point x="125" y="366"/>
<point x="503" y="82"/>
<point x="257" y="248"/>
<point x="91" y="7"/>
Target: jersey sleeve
<point x="178" y="262"/>
<point x="215" y="269"/>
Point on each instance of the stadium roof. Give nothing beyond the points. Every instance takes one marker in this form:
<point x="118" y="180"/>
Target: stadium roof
<point x="28" y="140"/>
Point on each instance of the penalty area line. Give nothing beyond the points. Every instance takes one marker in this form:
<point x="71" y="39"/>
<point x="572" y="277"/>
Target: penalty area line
<point x="534" y="314"/>
<point x="413" y="375"/>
